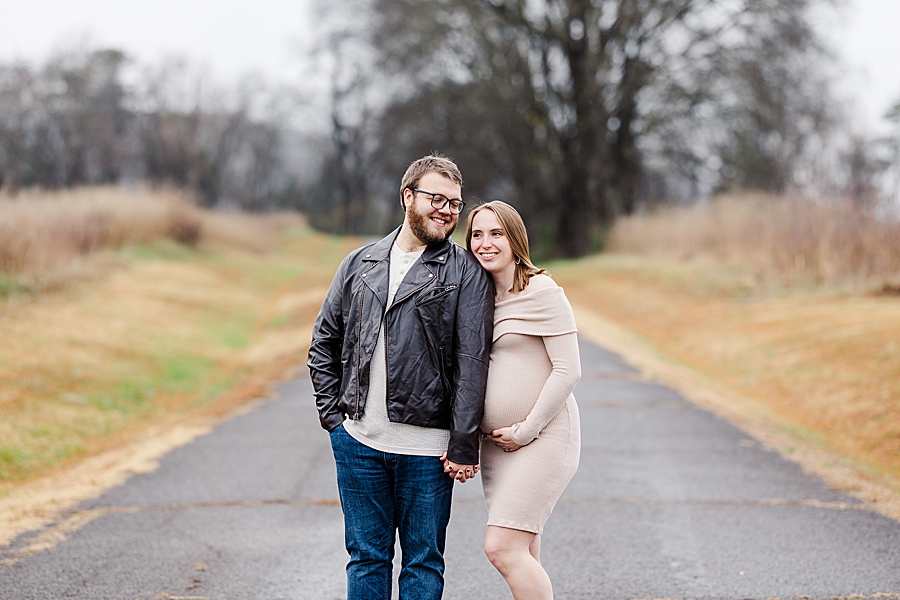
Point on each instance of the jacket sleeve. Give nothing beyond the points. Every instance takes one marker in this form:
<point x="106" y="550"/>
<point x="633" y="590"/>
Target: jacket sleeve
<point x="473" y="334"/>
<point x="565" y="373"/>
<point x="324" y="359"/>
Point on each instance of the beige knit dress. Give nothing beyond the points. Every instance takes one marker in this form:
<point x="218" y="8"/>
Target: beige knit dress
<point x="534" y="368"/>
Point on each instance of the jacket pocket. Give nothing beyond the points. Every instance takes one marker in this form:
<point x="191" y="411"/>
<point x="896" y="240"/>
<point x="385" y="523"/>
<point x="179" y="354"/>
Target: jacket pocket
<point x="436" y="293"/>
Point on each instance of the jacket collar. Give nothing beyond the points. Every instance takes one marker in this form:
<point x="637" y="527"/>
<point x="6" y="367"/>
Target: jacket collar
<point x="436" y="252"/>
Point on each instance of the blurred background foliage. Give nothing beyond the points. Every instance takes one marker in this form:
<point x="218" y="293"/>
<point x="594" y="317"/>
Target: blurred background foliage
<point x="578" y="112"/>
<point x="83" y="119"/>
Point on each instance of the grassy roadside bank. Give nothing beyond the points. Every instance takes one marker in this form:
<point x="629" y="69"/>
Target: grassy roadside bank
<point x="825" y="364"/>
<point x="151" y="334"/>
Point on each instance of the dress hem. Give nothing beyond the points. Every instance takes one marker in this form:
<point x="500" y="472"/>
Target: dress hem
<point x="517" y="527"/>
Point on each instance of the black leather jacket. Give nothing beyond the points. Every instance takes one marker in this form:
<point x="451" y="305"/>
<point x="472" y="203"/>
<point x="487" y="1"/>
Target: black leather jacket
<point x="437" y="341"/>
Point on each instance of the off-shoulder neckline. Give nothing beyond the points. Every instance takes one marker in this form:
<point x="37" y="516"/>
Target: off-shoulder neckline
<point x="532" y="290"/>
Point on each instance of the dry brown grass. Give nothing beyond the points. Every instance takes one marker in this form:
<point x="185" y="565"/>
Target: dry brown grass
<point x="827" y="364"/>
<point x="779" y="239"/>
<point x="823" y="356"/>
<point x="879" y="493"/>
<point x="259" y="233"/>
<point x="42" y="233"/>
<point x="159" y="332"/>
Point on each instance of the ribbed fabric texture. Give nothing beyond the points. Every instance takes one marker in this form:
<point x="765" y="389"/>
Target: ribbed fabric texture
<point x="534" y="367"/>
<point x="374" y="429"/>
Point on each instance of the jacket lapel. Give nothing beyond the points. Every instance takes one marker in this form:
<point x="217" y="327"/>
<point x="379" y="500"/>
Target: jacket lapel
<point x="423" y="272"/>
<point x="419" y="276"/>
<point x="376" y="267"/>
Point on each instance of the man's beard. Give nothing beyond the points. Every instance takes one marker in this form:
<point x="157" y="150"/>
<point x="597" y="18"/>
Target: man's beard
<point x="418" y="224"/>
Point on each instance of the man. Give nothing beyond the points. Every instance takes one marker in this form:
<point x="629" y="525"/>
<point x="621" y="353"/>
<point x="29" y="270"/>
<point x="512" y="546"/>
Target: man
<point x="399" y="362"/>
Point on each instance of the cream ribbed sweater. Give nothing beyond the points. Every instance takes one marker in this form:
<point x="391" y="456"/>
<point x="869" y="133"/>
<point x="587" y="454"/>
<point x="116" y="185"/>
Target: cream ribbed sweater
<point x="534" y="367"/>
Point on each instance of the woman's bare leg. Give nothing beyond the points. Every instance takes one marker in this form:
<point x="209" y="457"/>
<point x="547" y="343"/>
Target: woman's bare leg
<point x="534" y="548"/>
<point x="509" y="550"/>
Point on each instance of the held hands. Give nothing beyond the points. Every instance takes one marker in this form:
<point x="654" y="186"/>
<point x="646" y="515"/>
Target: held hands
<point x="461" y="473"/>
<point x="501" y="437"/>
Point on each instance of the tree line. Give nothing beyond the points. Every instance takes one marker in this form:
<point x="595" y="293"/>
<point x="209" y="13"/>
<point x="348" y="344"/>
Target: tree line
<point x="574" y="111"/>
<point x="90" y="117"/>
<point x="579" y="111"/>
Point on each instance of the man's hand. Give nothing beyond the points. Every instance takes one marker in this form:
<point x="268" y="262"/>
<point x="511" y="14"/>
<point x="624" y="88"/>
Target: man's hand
<point x="461" y="473"/>
<point x="502" y="439"/>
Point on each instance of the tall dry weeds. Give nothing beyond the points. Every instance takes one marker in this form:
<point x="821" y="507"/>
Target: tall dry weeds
<point x="42" y="232"/>
<point x="778" y="238"/>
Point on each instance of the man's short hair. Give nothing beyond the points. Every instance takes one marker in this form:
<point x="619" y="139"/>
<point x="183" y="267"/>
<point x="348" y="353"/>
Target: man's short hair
<point x="433" y="163"/>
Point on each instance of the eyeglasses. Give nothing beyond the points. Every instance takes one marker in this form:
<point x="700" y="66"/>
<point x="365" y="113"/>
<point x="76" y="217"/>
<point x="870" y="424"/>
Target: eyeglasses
<point x="439" y="201"/>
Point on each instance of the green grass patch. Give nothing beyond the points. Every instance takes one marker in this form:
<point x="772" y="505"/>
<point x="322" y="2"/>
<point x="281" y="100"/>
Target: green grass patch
<point x="127" y="398"/>
<point x="39" y="432"/>
<point x="184" y="373"/>
<point x="217" y="389"/>
<point x="13" y="462"/>
<point x="13" y="284"/>
<point x="161" y="249"/>
<point x="134" y="397"/>
<point x="17" y="463"/>
<point x="235" y="333"/>
<point x="274" y="274"/>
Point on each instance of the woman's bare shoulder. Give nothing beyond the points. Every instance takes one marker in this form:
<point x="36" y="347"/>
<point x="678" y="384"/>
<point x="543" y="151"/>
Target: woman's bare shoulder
<point x="539" y="282"/>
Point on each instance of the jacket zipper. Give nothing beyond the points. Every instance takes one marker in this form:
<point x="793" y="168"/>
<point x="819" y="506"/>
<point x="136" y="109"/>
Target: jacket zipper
<point x="444" y="379"/>
<point x="438" y="293"/>
<point x="387" y="391"/>
<point x="358" y="353"/>
<point x="396" y="300"/>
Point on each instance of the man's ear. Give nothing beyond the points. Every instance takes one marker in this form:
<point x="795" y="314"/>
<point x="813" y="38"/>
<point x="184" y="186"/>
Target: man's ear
<point x="403" y="199"/>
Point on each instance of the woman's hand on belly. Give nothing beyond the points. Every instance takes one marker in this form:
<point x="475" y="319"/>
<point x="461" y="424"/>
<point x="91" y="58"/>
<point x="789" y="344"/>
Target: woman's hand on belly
<point x="501" y="437"/>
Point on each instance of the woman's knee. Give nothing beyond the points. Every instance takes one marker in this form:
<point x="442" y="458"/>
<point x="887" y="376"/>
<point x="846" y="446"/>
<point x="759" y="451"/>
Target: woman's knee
<point x="496" y="551"/>
<point x="502" y="546"/>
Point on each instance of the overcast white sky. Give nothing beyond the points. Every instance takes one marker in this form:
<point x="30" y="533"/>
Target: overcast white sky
<point x="236" y="36"/>
<point x="231" y="36"/>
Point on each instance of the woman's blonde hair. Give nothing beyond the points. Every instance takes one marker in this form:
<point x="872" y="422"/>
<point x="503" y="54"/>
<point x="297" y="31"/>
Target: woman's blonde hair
<point x="514" y="230"/>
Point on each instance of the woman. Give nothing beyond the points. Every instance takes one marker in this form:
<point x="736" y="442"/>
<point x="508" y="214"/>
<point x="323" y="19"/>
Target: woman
<point x="529" y="408"/>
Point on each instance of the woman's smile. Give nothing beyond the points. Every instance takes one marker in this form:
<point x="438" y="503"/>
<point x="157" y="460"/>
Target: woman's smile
<point x="489" y="242"/>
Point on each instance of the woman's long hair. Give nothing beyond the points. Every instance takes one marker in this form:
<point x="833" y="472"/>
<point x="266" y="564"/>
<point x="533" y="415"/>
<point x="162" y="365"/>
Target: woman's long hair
<point x="514" y="230"/>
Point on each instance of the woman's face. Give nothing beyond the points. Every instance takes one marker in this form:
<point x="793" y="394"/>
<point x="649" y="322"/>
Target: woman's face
<point x="489" y="242"/>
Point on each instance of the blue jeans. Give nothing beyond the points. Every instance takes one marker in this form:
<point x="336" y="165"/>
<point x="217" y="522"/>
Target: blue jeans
<point x="382" y="493"/>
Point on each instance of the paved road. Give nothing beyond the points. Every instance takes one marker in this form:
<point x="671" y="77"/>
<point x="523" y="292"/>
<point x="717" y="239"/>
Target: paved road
<point x="669" y="502"/>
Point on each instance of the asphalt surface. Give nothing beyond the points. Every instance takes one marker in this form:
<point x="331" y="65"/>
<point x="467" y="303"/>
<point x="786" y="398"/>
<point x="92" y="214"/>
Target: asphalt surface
<point x="669" y="502"/>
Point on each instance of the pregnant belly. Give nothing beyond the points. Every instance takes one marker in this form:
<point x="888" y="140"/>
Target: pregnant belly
<point x="506" y="403"/>
<point x="518" y="370"/>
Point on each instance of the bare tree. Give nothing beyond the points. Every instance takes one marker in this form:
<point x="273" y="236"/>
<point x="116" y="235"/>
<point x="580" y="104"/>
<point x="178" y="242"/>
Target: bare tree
<point x="16" y="88"/>
<point x="221" y="143"/>
<point x="84" y="103"/>
<point x="341" y="200"/>
<point x="581" y="105"/>
<point x="74" y="122"/>
<point x="892" y="143"/>
<point x="64" y="125"/>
